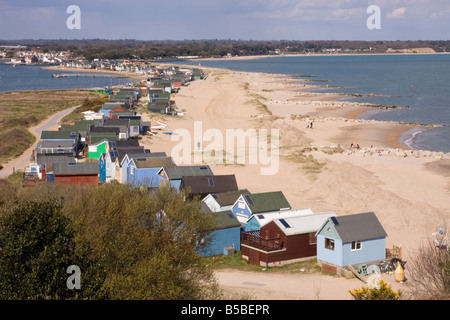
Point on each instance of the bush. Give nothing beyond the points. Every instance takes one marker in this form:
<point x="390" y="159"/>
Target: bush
<point x="383" y="292"/>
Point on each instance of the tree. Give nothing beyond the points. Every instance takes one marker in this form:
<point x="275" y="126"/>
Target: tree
<point x="429" y="271"/>
<point x="148" y="241"/>
<point x="36" y="248"/>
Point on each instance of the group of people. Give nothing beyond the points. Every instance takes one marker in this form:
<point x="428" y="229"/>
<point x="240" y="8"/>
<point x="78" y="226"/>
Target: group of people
<point x="354" y="146"/>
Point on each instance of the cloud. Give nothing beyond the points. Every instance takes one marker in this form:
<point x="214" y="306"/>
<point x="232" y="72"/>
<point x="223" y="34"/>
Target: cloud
<point x="397" y="13"/>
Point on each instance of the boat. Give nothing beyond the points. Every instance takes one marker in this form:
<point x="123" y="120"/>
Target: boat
<point x="58" y="75"/>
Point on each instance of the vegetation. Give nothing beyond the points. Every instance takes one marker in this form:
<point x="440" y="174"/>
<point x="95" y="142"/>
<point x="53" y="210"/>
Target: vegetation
<point x="89" y="104"/>
<point x="24" y="109"/>
<point x="129" y="244"/>
<point x="429" y="270"/>
<point x="382" y="292"/>
<point x="14" y="141"/>
<point x="137" y="49"/>
<point x="28" y="108"/>
<point x="36" y="248"/>
<point x="132" y="49"/>
<point x="309" y="164"/>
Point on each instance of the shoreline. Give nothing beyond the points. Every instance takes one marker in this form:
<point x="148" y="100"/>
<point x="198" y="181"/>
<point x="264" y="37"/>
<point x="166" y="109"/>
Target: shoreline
<point x="121" y="73"/>
<point x="408" y="192"/>
<point x="396" y="139"/>
<point x="380" y="176"/>
<point x="316" y="55"/>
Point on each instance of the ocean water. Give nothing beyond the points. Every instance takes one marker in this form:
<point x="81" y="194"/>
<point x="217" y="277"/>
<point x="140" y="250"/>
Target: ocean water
<point x="419" y="82"/>
<point x="22" y="78"/>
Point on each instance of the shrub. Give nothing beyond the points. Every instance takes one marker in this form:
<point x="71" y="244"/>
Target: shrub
<point x="383" y="292"/>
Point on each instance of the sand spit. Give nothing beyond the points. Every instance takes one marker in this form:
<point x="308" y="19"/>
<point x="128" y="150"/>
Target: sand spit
<point x="407" y="189"/>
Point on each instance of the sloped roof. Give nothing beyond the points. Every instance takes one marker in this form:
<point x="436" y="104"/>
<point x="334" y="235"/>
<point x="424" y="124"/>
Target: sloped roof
<point x="178" y="172"/>
<point x="209" y="184"/>
<point x="50" y="158"/>
<point x="64" y="135"/>
<point x="303" y="223"/>
<point x="153" y="162"/>
<point x="267" y="201"/>
<point x="224" y="220"/>
<point x="124" y="144"/>
<point x="266" y="217"/>
<point x="138" y="153"/>
<point x="228" y="198"/>
<point x="55" y="144"/>
<point x="120" y="153"/>
<point x="76" y="168"/>
<point x="361" y="226"/>
<point x="104" y="129"/>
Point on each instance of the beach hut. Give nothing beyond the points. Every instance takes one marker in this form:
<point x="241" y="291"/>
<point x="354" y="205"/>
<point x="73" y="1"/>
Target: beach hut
<point x="95" y="150"/>
<point x="171" y="176"/>
<point x="124" y="158"/>
<point x="283" y="240"/>
<point x="350" y="240"/>
<point x="223" y="201"/>
<point x="144" y="171"/>
<point x="258" y="220"/>
<point x="249" y="204"/>
<point x="85" y="173"/>
<point x="201" y="186"/>
<point x="224" y="238"/>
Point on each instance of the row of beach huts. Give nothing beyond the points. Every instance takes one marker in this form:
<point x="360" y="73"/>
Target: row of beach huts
<point x="104" y="148"/>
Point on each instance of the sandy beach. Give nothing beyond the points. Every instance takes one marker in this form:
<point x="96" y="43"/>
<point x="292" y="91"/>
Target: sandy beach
<point x="408" y="190"/>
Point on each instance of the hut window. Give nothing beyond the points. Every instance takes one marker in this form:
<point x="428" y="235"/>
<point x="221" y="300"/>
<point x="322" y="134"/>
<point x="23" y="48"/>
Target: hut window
<point x="329" y="244"/>
<point x="356" y="245"/>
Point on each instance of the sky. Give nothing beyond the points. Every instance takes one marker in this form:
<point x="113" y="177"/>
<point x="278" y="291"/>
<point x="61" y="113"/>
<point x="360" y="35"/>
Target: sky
<point x="226" y="19"/>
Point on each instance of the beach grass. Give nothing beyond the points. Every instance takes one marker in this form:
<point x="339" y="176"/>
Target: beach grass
<point x="23" y="109"/>
<point x="89" y="104"/>
<point x="14" y="141"/>
<point x="310" y="165"/>
<point x="28" y="108"/>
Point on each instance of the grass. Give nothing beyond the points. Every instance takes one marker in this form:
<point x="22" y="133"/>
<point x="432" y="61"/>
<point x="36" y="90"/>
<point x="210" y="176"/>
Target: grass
<point x="24" y="109"/>
<point x="89" y="104"/>
<point x="332" y="150"/>
<point x="28" y="108"/>
<point x="309" y="164"/>
<point x="16" y="179"/>
<point x="14" y="141"/>
<point x="236" y="262"/>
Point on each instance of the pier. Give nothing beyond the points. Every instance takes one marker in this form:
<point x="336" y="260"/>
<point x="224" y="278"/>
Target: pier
<point x="77" y="75"/>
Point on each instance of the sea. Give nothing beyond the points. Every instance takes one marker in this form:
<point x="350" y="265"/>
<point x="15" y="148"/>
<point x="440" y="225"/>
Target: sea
<point x="33" y="77"/>
<point x="418" y="82"/>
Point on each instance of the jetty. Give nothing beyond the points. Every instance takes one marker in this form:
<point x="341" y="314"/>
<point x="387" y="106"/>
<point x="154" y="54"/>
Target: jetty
<point x="64" y="75"/>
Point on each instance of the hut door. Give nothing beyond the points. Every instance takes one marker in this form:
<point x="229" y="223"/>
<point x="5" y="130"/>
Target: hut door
<point x="254" y="257"/>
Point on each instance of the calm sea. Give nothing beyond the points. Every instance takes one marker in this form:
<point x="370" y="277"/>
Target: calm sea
<point x="420" y="82"/>
<point x="21" y="78"/>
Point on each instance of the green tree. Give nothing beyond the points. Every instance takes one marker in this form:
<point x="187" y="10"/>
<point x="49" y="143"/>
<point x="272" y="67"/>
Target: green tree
<point x="148" y="240"/>
<point x="36" y="248"/>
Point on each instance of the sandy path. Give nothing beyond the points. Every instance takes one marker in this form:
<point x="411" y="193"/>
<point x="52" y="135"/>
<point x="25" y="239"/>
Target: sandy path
<point x="293" y="286"/>
<point x="21" y="162"/>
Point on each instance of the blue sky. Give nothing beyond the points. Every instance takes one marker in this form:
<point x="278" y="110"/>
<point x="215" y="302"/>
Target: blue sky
<point x="226" y="19"/>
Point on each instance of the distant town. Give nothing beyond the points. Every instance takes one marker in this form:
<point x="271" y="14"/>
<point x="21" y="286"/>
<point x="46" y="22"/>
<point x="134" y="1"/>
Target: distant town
<point x="84" y="52"/>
